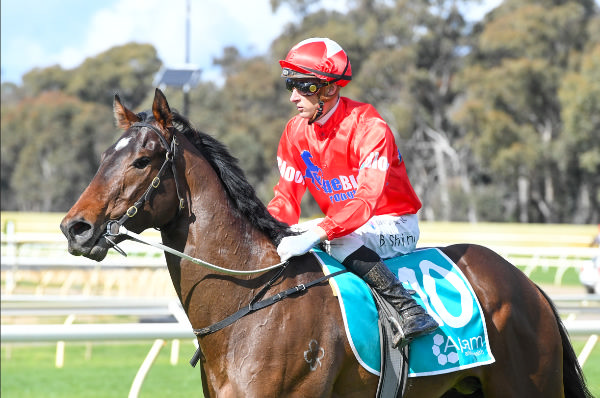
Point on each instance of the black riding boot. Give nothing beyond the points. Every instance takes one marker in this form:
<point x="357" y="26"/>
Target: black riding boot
<point x="415" y="321"/>
<point x="367" y="264"/>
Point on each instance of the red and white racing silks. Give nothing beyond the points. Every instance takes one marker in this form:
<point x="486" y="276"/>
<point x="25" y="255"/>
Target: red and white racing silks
<point x="351" y="165"/>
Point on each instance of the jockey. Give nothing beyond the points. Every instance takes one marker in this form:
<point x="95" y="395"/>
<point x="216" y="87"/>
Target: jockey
<point x="345" y="154"/>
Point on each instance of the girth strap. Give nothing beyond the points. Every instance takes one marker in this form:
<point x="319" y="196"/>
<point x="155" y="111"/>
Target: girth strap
<point x="255" y="306"/>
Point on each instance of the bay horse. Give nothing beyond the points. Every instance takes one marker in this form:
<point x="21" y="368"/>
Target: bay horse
<point x="163" y="173"/>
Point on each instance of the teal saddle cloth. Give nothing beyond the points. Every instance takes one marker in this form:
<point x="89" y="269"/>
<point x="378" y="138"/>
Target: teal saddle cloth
<point x="460" y="342"/>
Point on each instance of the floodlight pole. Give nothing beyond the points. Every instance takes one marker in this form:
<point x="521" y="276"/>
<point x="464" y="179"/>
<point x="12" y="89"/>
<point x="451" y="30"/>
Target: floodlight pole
<point x="187" y="33"/>
<point x="186" y="96"/>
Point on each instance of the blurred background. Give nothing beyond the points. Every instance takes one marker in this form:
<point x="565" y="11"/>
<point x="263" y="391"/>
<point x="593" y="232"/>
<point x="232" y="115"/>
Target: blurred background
<point x="495" y="106"/>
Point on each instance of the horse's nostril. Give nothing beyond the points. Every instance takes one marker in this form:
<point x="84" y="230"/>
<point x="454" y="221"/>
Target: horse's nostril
<point x="79" y="228"/>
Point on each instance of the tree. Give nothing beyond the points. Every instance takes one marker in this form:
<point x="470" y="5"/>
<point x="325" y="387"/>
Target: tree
<point x="50" y="149"/>
<point x="510" y="102"/>
<point x="579" y="153"/>
<point x="53" y="78"/>
<point x="251" y="121"/>
<point x="496" y="121"/>
<point x="128" y="70"/>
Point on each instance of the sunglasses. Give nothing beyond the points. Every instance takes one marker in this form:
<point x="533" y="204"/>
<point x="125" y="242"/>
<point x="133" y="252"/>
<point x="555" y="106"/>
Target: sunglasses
<point x="304" y="88"/>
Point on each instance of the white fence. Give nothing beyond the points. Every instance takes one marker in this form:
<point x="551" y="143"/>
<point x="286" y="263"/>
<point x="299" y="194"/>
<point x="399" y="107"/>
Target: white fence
<point x="181" y="329"/>
<point x="42" y="259"/>
<point x="173" y="323"/>
<point x="35" y="250"/>
<point x="41" y="306"/>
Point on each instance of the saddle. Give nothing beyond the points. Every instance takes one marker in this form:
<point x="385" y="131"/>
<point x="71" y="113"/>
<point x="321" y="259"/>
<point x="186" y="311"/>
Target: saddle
<point x="460" y="342"/>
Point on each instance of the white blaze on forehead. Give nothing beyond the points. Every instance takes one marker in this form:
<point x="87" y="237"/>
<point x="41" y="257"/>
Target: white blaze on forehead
<point x="122" y="143"/>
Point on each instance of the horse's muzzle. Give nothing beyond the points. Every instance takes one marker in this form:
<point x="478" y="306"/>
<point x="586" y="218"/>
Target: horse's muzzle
<point x="84" y="239"/>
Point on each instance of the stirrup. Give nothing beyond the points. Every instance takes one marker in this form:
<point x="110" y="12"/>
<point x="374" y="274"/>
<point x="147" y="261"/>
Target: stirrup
<point x="398" y="339"/>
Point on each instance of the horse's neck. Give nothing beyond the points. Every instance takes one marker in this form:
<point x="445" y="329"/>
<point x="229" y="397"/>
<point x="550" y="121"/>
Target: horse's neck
<point x="216" y="230"/>
<point x="213" y="231"/>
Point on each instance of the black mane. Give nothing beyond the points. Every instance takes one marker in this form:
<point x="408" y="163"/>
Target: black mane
<point x="239" y="190"/>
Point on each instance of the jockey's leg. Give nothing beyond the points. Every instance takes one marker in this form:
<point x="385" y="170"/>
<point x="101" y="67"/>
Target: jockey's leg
<point x="368" y="265"/>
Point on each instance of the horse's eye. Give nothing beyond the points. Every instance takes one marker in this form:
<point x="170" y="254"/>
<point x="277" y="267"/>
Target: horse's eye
<point x="141" y="162"/>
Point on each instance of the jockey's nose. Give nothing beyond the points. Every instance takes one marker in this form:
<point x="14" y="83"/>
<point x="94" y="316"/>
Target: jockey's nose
<point x="295" y="96"/>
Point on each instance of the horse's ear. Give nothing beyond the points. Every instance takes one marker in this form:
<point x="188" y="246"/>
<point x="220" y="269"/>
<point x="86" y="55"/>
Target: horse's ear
<point x="161" y="110"/>
<point x="123" y="116"/>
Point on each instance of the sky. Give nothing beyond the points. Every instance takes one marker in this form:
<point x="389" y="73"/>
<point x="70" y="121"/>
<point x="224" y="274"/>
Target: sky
<point x="42" y="33"/>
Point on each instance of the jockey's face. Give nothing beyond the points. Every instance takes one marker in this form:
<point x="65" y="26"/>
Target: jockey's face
<point x="307" y="104"/>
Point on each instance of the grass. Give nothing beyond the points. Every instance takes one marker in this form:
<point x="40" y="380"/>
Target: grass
<point x="591" y="368"/>
<point x="450" y="232"/>
<point x="545" y="276"/>
<point x="508" y="234"/>
<point x="28" y="371"/>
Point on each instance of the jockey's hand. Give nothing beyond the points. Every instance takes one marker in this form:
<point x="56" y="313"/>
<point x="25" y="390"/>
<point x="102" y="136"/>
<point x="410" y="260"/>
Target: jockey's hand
<point x="297" y="245"/>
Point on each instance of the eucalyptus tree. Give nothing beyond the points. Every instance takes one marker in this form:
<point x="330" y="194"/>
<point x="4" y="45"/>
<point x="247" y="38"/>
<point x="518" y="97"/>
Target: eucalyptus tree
<point x="579" y="151"/>
<point x="51" y="145"/>
<point x="510" y="107"/>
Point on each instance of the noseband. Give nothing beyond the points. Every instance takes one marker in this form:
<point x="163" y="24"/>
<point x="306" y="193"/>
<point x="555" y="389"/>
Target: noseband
<point x="112" y="228"/>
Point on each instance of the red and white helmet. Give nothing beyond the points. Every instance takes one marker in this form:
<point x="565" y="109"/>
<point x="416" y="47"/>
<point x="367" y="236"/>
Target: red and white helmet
<point x="319" y="57"/>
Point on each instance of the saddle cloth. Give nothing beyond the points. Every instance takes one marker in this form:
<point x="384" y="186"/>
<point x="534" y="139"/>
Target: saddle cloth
<point x="461" y="341"/>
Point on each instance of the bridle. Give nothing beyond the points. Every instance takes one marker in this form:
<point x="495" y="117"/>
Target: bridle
<point x="113" y="227"/>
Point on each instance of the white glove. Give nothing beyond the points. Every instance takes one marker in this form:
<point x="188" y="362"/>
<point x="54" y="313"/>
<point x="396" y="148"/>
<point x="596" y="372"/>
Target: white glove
<point x="306" y="225"/>
<point x="297" y="245"/>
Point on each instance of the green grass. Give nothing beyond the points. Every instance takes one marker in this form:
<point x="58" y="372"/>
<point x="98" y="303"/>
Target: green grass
<point x="28" y="371"/>
<point x="591" y="368"/>
<point x="545" y="276"/>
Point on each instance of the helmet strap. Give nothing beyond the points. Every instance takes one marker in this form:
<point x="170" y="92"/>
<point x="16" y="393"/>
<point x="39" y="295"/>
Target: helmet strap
<point x="322" y="99"/>
<point x="318" y="113"/>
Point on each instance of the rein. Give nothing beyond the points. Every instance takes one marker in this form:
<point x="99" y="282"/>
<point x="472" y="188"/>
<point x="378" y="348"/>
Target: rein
<point x="138" y="238"/>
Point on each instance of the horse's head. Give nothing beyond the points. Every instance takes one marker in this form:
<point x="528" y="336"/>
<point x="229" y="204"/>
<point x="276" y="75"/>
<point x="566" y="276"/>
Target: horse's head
<point x="134" y="183"/>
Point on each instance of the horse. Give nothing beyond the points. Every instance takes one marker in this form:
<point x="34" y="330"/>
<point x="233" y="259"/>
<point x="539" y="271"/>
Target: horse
<point x="163" y="173"/>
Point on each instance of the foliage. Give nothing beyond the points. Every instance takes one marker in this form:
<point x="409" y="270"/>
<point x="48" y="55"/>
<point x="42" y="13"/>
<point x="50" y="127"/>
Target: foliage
<point x="50" y="148"/>
<point x="579" y="156"/>
<point x="496" y="120"/>
<point x="511" y="110"/>
<point x="128" y="70"/>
